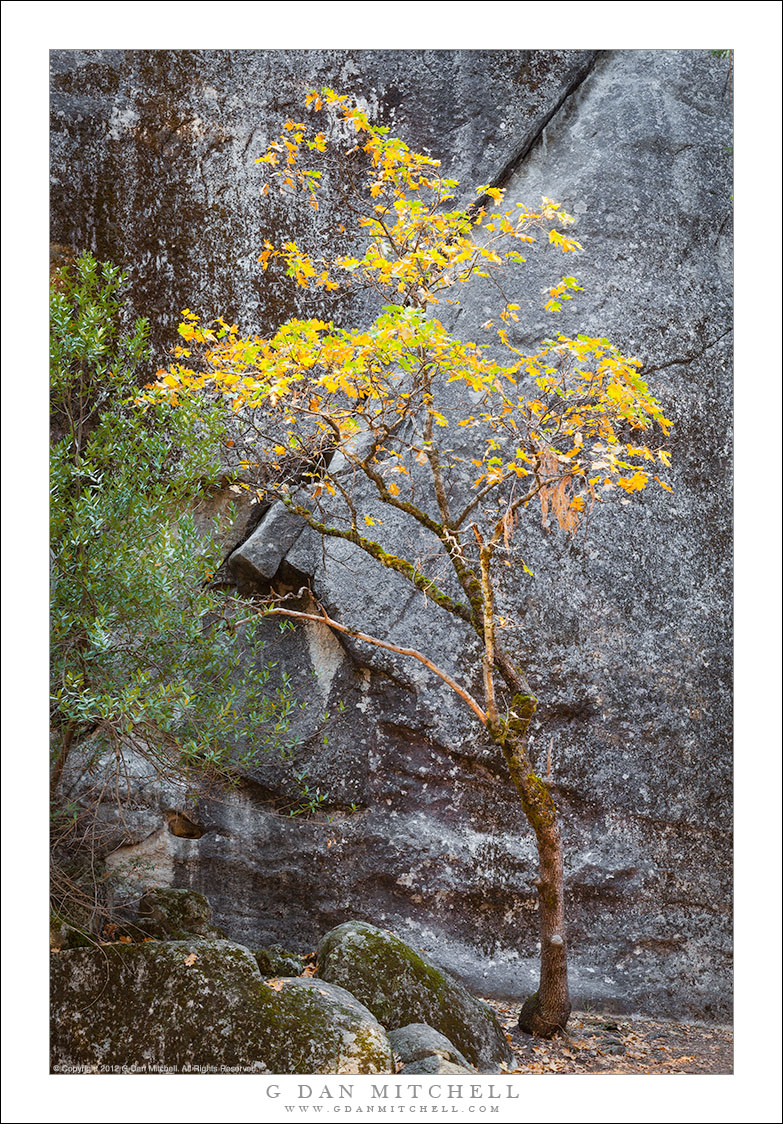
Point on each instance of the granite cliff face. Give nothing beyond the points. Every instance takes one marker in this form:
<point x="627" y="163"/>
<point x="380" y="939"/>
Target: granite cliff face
<point x="625" y="635"/>
<point x="153" y="152"/>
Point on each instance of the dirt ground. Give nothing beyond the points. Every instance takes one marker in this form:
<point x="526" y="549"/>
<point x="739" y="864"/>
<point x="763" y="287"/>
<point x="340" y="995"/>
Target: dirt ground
<point x="620" y="1044"/>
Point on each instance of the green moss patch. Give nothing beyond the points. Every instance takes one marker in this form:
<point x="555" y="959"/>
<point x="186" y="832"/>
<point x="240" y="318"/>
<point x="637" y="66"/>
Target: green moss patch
<point x="401" y="986"/>
<point x="203" y="1003"/>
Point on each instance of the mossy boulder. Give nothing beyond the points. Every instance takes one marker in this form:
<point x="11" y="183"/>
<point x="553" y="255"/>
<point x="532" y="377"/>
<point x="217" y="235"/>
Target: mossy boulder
<point x="62" y="934"/>
<point x="401" y="986"/>
<point x="176" y="915"/>
<point x="187" y="1005"/>
<point x="275" y="961"/>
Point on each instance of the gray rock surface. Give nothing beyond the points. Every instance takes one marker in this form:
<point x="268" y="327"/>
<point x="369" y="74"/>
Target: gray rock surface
<point x="187" y="1005"/>
<point x="153" y="153"/>
<point x="401" y="986"/>
<point x="434" y="1063"/>
<point x="625" y="635"/>
<point x="260" y="555"/>
<point x="416" y="1041"/>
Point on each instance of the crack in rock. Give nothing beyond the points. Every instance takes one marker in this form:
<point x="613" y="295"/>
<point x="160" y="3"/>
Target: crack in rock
<point x="686" y="359"/>
<point x="513" y="163"/>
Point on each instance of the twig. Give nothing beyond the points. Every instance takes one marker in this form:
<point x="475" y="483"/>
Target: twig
<point x="324" y="618"/>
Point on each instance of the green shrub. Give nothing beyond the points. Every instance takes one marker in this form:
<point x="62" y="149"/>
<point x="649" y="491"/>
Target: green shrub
<point x="143" y="656"/>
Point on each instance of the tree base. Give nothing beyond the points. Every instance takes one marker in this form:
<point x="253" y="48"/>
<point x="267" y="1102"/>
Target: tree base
<point x="533" y="1021"/>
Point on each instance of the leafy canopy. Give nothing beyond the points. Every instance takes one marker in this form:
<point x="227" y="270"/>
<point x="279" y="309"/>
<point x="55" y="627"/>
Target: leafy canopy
<point x="573" y="419"/>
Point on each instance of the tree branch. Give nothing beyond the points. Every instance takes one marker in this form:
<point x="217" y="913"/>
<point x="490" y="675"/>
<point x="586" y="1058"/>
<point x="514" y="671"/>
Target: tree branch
<point x="323" y="618"/>
<point x="424" y="584"/>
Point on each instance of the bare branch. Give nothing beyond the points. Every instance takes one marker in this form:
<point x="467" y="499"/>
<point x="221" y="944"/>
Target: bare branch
<point x="323" y="618"/>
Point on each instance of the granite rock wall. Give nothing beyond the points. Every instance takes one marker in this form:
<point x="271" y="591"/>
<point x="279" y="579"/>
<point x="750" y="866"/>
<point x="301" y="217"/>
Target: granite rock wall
<point x="625" y="634"/>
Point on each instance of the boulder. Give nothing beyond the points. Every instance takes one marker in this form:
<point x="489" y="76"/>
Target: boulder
<point x="259" y="557"/>
<point x="401" y="986"/>
<point x="202" y="1005"/>
<point x="275" y="961"/>
<point x="176" y="915"/>
<point x="434" y="1063"/>
<point x="417" y="1041"/>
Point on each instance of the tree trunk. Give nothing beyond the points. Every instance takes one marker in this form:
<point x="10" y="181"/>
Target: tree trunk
<point x="546" y="1012"/>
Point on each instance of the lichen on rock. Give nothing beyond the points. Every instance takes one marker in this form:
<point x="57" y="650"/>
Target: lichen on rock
<point x="275" y="961"/>
<point x="434" y="1063"/>
<point x="194" y="1004"/>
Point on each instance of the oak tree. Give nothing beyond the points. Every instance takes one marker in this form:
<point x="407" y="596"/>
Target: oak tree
<point x="462" y="439"/>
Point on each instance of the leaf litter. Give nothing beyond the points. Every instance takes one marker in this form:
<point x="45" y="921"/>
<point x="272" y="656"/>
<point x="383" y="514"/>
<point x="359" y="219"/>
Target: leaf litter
<point x="623" y="1044"/>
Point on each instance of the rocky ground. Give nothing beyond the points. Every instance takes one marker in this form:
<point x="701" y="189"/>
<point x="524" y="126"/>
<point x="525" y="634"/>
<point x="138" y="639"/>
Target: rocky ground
<point x="174" y="928"/>
<point x="620" y="1044"/>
